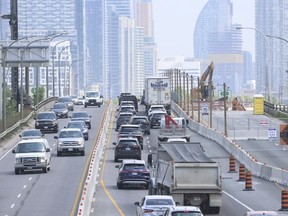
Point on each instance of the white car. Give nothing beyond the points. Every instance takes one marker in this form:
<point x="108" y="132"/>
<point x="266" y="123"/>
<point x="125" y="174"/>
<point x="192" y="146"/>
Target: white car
<point x="154" y="205"/>
<point x="70" y="140"/>
<point x="157" y="107"/>
<point x="32" y="154"/>
<point x="31" y="134"/>
<point x="183" y="211"/>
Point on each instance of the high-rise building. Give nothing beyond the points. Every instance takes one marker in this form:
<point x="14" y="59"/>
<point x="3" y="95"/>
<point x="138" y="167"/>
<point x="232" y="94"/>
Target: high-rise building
<point x="216" y="39"/>
<point x="272" y="53"/>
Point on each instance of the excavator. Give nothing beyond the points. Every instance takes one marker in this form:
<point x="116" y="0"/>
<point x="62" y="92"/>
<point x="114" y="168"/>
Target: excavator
<point x="203" y="87"/>
<point x="237" y="106"/>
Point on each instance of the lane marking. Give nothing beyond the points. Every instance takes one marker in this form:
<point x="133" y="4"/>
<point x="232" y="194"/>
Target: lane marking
<point x="12" y="206"/>
<point x="19" y="195"/>
<point x="24" y="186"/>
<point x="30" y="178"/>
<point x="238" y="201"/>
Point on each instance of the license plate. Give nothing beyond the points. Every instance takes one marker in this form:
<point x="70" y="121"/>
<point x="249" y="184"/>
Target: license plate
<point x="128" y="149"/>
<point x="29" y="168"/>
<point x="45" y="127"/>
<point x="92" y="103"/>
<point x="134" y="173"/>
<point x="70" y="149"/>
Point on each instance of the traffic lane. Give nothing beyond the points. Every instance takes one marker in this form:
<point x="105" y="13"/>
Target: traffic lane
<point x="109" y="200"/>
<point x="267" y="152"/>
<point x="54" y="191"/>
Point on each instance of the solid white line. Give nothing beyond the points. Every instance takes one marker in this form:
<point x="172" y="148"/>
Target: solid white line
<point x="24" y="186"/>
<point x="19" y="195"/>
<point x="92" y="210"/>
<point x="250" y="209"/>
<point x="30" y="178"/>
<point x="12" y="206"/>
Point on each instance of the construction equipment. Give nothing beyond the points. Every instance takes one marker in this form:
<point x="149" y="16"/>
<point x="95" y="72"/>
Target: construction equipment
<point x="237" y="105"/>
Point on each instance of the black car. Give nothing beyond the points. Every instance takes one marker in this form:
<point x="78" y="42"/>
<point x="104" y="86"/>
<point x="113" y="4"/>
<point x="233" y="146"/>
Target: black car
<point x="130" y="98"/>
<point x="127" y="148"/>
<point x="46" y="121"/>
<point x="60" y="110"/>
<point x="143" y="122"/>
<point x="123" y="118"/>
<point x="82" y="115"/>
<point x="68" y="101"/>
<point x="81" y="125"/>
<point x="155" y="118"/>
<point x="129" y="130"/>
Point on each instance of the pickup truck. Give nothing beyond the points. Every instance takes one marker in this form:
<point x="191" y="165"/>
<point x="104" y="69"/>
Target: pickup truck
<point x="32" y="154"/>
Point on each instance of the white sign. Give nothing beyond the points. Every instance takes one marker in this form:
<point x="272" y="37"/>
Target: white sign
<point x="272" y="133"/>
<point x="205" y="111"/>
<point x="263" y="122"/>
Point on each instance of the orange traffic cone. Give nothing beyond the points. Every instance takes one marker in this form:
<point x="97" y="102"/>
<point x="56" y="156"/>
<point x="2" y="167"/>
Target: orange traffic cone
<point x="284" y="200"/>
<point x="232" y="168"/>
<point x="242" y="175"/>
<point x="248" y="183"/>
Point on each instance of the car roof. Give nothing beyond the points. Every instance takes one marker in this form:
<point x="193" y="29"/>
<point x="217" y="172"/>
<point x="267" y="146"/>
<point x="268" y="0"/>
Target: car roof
<point x="125" y="113"/>
<point x="139" y="117"/>
<point x="268" y="213"/>
<point x="70" y="129"/>
<point x="80" y="112"/>
<point x="158" y="112"/>
<point x="78" y="121"/>
<point x="157" y="105"/>
<point x="31" y="130"/>
<point x="183" y="208"/>
<point x="128" y="138"/>
<point x="130" y="161"/>
<point x="130" y="125"/>
<point x="48" y="112"/>
<point x="158" y="197"/>
<point x="43" y="140"/>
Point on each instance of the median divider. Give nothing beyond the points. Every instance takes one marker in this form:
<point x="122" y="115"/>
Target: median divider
<point x="89" y="187"/>
<point x="257" y="168"/>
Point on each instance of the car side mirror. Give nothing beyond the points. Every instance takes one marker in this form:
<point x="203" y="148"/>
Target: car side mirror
<point x="137" y="203"/>
<point x="20" y="135"/>
<point x="13" y="151"/>
<point x="65" y="127"/>
<point x="149" y="160"/>
<point x="187" y="121"/>
<point x="177" y="203"/>
<point x="83" y="97"/>
<point x="101" y="96"/>
<point x="114" y="143"/>
<point x="55" y="137"/>
<point x="34" y="118"/>
<point x="90" y="116"/>
<point x="48" y="150"/>
<point x="117" y="166"/>
<point x="70" y="117"/>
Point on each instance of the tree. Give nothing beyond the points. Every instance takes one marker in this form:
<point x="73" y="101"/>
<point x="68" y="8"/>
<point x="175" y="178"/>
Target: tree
<point x="41" y="95"/>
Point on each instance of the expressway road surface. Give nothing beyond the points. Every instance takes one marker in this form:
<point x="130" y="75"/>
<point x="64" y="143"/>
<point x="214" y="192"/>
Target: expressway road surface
<point x="108" y="200"/>
<point x="54" y="193"/>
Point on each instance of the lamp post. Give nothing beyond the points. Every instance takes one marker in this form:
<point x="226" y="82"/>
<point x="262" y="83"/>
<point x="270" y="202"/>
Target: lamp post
<point x="73" y="62"/>
<point x="66" y="92"/>
<point x="59" y="73"/>
<point x="53" y="74"/>
<point x="267" y="89"/>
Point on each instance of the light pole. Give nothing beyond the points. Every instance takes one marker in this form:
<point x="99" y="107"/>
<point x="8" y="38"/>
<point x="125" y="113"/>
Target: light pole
<point x="59" y="73"/>
<point x="53" y="74"/>
<point x="73" y="62"/>
<point x="268" y="54"/>
<point x="66" y="92"/>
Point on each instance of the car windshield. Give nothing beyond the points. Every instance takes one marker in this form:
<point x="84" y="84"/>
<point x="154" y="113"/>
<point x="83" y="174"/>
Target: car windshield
<point x="70" y="134"/>
<point x="76" y="125"/>
<point x="80" y="115"/>
<point x="65" y="100"/>
<point x="92" y="94"/>
<point x="31" y="133"/>
<point x="59" y="106"/>
<point x="128" y="143"/>
<point x="159" y="115"/>
<point x="122" y="117"/>
<point x="134" y="166"/>
<point x="138" y="121"/>
<point x="30" y="147"/>
<point x="159" y="202"/>
<point x="46" y="116"/>
<point x="130" y="129"/>
<point x="127" y="109"/>
<point x="186" y="213"/>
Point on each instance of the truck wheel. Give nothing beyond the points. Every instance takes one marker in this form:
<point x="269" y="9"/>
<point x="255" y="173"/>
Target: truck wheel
<point x="214" y="210"/>
<point x="45" y="169"/>
<point x="17" y="171"/>
<point x="119" y="185"/>
<point x="85" y="106"/>
<point x="83" y="153"/>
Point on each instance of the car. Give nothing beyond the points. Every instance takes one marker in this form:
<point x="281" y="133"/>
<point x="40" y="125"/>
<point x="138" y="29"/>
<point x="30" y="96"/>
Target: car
<point x="61" y="110"/>
<point x="131" y="130"/>
<point x="70" y="140"/>
<point x="81" y="125"/>
<point x="259" y="213"/>
<point x="155" y="118"/>
<point x="82" y="116"/>
<point x="176" y="140"/>
<point x="143" y="122"/>
<point x="32" y="154"/>
<point x="127" y="148"/>
<point x="133" y="172"/>
<point x="123" y="118"/>
<point x="93" y="98"/>
<point x="129" y="98"/>
<point x="81" y="101"/>
<point x="158" y="107"/>
<point x="183" y="211"/>
<point x="125" y="103"/>
<point x="127" y="108"/>
<point x="74" y="98"/>
<point x="154" y="205"/>
<point x="46" y="122"/>
<point x="68" y="101"/>
<point x="31" y="134"/>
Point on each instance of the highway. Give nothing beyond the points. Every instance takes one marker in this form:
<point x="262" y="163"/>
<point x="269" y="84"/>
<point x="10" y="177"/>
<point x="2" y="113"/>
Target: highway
<point x="54" y="193"/>
<point x="110" y="201"/>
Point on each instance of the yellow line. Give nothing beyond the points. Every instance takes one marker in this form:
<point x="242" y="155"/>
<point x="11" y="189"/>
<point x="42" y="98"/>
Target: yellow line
<point x="102" y="174"/>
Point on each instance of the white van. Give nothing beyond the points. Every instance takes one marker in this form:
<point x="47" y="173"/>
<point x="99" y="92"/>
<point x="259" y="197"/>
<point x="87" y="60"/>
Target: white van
<point x="181" y="122"/>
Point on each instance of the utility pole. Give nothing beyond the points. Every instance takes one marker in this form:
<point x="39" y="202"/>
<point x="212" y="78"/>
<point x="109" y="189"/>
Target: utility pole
<point x="13" y="22"/>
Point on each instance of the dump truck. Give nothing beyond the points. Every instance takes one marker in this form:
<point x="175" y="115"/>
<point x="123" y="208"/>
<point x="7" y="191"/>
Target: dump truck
<point x="183" y="171"/>
<point x="173" y="127"/>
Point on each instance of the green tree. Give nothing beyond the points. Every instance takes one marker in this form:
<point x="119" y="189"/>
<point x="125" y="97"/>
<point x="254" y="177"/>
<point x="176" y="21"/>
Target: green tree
<point x="41" y="95"/>
<point x="10" y="103"/>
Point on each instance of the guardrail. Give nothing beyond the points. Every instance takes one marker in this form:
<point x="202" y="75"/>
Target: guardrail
<point x="84" y="207"/>
<point x="258" y="169"/>
<point x="43" y="105"/>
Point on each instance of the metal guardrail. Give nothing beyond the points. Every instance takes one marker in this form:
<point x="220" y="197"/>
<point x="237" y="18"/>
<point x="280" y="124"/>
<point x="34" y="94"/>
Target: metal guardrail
<point x="39" y="107"/>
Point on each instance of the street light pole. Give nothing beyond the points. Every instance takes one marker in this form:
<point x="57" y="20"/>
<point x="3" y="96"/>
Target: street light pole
<point x="59" y="72"/>
<point x="73" y="62"/>
<point x="267" y="59"/>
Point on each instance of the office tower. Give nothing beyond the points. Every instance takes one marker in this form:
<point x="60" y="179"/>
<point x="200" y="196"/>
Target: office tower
<point x="271" y="52"/>
<point x="216" y="39"/>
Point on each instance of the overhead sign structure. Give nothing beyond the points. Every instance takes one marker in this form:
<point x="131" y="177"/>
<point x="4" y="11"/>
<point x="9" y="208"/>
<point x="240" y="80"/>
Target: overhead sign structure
<point x="272" y="133"/>
<point x="283" y="134"/>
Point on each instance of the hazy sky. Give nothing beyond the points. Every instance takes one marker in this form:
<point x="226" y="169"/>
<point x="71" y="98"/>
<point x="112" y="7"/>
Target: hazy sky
<point x="174" y="22"/>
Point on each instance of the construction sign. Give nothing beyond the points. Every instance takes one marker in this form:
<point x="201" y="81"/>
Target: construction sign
<point x="283" y="134"/>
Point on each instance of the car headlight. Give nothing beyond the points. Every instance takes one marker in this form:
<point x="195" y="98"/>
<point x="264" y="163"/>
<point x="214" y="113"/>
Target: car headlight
<point x="81" y="142"/>
<point x="54" y="122"/>
<point x="60" y="143"/>
<point x="41" y="159"/>
<point x="37" y="123"/>
<point x="65" y="111"/>
<point x="18" y="160"/>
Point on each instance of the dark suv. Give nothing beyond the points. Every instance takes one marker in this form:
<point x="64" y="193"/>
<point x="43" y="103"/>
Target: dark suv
<point x="129" y="130"/>
<point x="143" y="122"/>
<point x="68" y="101"/>
<point x="123" y="118"/>
<point x="128" y="148"/>
<point x="82" y="116"/>
<point x="133" y="172"/>
<point x="46" y="121"/>
<point x="130" y="98"/>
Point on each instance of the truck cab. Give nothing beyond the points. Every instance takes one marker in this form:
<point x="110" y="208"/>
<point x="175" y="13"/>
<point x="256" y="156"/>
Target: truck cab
<point x="93" y="98"/>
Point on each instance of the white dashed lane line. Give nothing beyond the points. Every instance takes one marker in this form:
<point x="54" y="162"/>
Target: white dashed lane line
<point x="12" y="206"/>
<point x="19" y="195"/>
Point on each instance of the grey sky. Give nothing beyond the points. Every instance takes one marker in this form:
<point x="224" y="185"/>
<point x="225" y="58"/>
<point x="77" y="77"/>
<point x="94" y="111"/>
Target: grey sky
<point x="174" y="22"/>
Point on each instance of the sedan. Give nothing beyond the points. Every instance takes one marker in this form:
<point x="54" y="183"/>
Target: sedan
<point x="151" y="205"/>
<point x="183" y="211"/>
<point x="61" y="110"/>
